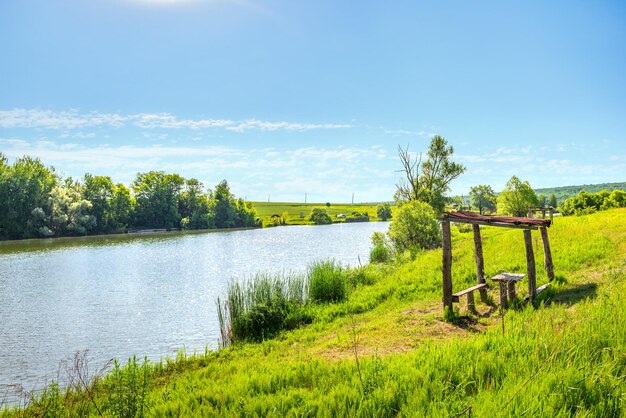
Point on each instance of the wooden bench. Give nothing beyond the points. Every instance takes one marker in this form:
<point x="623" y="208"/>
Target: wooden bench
<point x="507" y="283"/>
<point x="470" y="295"/>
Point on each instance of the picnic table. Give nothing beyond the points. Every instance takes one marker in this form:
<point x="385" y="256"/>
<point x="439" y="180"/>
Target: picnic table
<point x="507" y="283"/>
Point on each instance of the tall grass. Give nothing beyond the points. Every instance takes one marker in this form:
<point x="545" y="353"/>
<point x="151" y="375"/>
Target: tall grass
<point x="258" y="308"/>
<point x="327" y="282"/>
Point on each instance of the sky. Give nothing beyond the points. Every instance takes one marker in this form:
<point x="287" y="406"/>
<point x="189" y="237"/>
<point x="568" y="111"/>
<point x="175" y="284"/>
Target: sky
<point x="287" y="98"/>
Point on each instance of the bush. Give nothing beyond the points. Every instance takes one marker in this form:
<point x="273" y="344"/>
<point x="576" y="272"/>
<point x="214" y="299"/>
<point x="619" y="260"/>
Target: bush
<point x="128" y="388"/>
<point x="327" y="282"/>
<point x="414" y="226"/>
<point x="379" y="254"/>
<point x="383" y="211"/>
<point x="358" y="217"/>
<point x="320" y="217"/>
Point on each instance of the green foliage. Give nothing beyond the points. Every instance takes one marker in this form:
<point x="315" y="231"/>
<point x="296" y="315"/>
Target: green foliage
<point x="327" y="204"/>
<point x="483" y="198"/>
<point x="157" y="195"/>
<point x="552" y="202"/>
<point x="382" y="250"/>
<point x="383" y="211"/>
<point x="564" y="192"/>
<point x="428" y="181"/>
<point x="516" y="198"/>
<point x="319" y="217"/>
<point x="259" y="308"/>
<point x="327" y="282"/>
<point x="34" y="202"/>
<point x="586" y="203"/>
<point x="414" y="226"/>
<point x="128" y="388"/>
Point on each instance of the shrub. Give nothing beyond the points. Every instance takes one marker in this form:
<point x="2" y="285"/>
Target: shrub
<point x="383" y="211"/>
<point x="414" y="226"/>
<point x="327" y="282"/>
<point x="358" y="217"/>
<point x="379" y="254"/>
<point x="128" y="388"/>
<point x="319" y="217"/>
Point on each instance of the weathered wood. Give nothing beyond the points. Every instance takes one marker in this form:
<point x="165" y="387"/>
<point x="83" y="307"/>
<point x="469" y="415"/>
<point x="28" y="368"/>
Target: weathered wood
<point x="446" y="264"/>
<point x="511" y="290"/>
<point x="480" y="286"/>
<point x="530" y="265"/>
<point x="471" y="306"/>
<point x="542" y="288"/>
<point x="480" y="263"/>
<point x="508" y="277"/>
<point x="502" y="294"/>
<point x="547" y="254"/>
<point x="499" y="224"/>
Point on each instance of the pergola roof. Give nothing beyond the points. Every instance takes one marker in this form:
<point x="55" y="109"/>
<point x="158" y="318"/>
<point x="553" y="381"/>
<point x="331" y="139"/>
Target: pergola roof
<point x="503" y="221"/>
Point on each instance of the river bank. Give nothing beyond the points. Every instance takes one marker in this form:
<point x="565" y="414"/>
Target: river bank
<point x="386" y="350"/>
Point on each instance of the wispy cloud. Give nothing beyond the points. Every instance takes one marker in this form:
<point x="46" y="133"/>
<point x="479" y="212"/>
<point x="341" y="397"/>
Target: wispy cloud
<point x="316" y="170"/>
<point x="74" y="119"/>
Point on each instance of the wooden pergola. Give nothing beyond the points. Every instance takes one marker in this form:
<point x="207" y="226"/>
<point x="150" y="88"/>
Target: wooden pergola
<point x="476" y="220"/>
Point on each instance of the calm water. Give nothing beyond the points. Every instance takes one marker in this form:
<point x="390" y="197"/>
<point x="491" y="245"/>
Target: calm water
<point x="152" y="296"/>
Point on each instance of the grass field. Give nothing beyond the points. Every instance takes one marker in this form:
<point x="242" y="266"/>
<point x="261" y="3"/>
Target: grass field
<point x="386" y="350"/>
<point x="298" y="213"/>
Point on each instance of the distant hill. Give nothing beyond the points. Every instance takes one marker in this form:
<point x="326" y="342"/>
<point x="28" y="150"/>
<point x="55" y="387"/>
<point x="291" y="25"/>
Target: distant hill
<point x="564" y="192"/>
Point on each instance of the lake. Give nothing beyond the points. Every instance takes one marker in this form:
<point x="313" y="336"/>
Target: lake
<point x="147" y="295"/>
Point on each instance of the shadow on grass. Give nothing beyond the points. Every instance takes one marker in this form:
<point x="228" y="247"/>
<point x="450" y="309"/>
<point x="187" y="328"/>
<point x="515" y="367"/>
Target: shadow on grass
<point x="575" y="294"/>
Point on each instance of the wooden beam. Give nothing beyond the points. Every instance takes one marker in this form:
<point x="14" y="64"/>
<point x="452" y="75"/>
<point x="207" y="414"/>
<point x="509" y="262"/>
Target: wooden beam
<point x="484" y="223"/>
<point x="547" y="253"/>
<point x="530" y="265"/>
<point x="446" y="268"/>
<point x="480" y="264"/>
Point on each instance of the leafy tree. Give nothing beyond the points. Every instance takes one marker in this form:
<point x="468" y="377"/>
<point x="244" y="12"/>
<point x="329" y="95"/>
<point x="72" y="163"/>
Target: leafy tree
<point x="429" y="181"/>
<point x="483" y="198"/>
<point x="25" y="190"/>
<point x="383" y="211"/>
<point x="194" y="206"/>
<point x="99" y="190"/>
<point x="552" y="202"/>
<point x="231" y="212"/>
<point x="122" y="206"/>
<point x="542" y="200"/>
<point x="157" y="195"/>
<point x="70" y="212"/>
<point x="516" y="197"/>
<point x="319" y="217"/>
<point x="414" y="226"/>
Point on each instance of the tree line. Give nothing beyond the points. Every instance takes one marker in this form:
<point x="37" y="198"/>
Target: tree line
<point x="35" y="201"/>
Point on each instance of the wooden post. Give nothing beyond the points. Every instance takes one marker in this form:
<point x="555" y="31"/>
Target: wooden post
<point x="480" y="264"/>
<point x="547" y="254"/>
<point x="511" y="293"/>
<point x="502" y="294"/>
<point x="530" y="265"/>
<point x="446" y="264"/>
<point x="551" y="214"/>
<point x="471" y="306"/>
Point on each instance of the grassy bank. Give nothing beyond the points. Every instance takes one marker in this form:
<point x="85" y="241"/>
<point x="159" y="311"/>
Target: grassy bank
<point x="266" y="210"/>
<point x="385" y="350"/>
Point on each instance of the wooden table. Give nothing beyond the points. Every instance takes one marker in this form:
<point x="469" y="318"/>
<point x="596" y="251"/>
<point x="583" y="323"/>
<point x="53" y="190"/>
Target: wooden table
<point x="507" y="283"/>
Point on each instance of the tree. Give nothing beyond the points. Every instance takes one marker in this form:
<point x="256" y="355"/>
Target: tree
<point x="483" y="198"/>
<point x="516" y="197"/>
<point x="552" y="201"/>
<point x="231" y="212"/>
<point x="157" y="195"/>
<point x="542" y="200"/>
<point x="194" y="207"/>
<point x="414" y="226"/>
<point x="99" y="190"/>
<point x="428" y="182"/>
<point x="319" y="217"/>
<point x="383" y="211"/>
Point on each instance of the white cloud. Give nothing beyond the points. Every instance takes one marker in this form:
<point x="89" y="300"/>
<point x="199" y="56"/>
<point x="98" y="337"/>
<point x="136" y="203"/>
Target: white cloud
<point x="74" y="119"/>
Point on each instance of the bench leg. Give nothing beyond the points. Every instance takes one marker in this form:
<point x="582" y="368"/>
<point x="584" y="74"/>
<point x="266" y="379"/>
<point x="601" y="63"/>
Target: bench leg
<point x="503" y="294"/>
<point x="471" y="307"/>
<point x="512" y="294"/>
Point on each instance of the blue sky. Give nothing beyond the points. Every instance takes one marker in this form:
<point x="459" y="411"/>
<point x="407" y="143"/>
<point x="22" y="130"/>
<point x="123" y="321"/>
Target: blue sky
<point x="284" y="98"/>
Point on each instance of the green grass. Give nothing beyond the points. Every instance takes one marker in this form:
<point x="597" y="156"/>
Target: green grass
<point x="265" y="210"/>
<point x="385" y="350"/>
